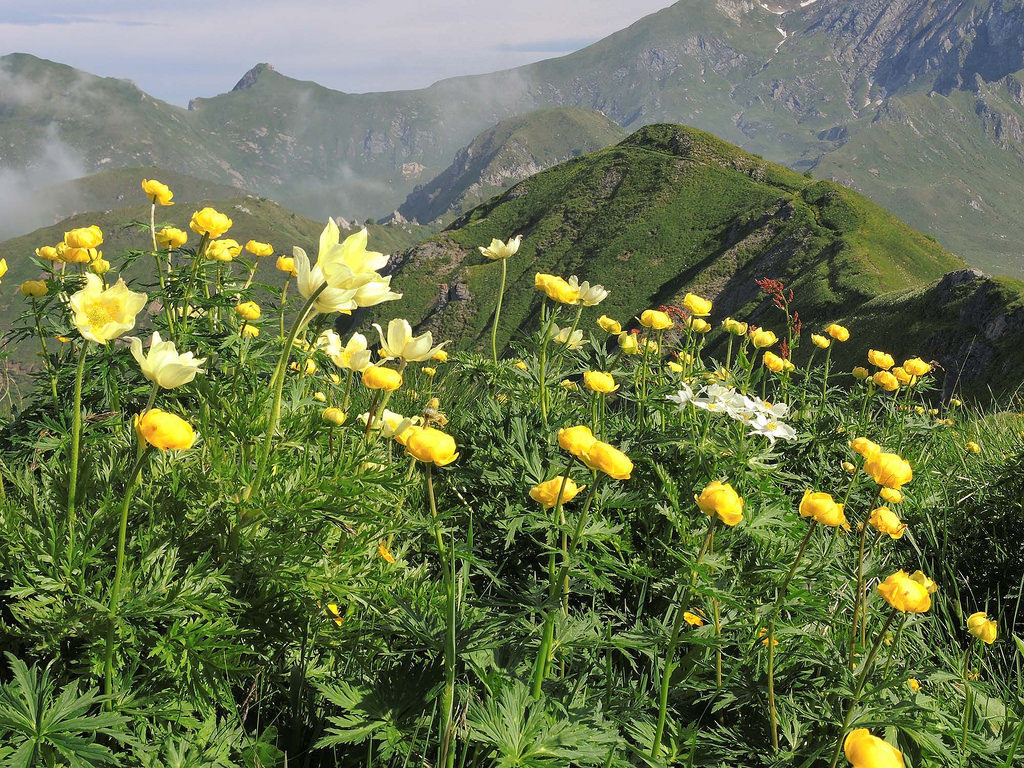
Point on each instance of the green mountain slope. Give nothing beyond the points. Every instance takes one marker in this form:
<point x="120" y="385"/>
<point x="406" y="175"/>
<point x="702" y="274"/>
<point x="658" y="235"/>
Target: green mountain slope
<point x="507" y="153"/>
<point x="667" y="210"/>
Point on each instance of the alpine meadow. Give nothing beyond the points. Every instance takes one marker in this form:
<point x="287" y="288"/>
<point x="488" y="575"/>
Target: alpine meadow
<point x="604" y="442"/>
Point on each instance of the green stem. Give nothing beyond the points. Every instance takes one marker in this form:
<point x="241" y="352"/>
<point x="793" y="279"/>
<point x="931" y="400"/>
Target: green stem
<point x="277" y="384"/>
<point x="858" y="601"/>
<point x="50" y="372"/>
<point x="115" y="590"/>
<point x="968" y="698"/>
<point x="497" y="312"/>
<point x="76" y="444"/>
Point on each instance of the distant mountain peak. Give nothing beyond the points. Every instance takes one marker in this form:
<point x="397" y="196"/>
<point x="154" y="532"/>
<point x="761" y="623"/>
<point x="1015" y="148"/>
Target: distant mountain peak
<point x="249" y="78"/>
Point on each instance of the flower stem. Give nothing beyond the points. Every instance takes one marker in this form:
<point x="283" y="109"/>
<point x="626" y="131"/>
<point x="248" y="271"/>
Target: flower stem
<point x="76" y="444"/>
<point x="497" y="312"/>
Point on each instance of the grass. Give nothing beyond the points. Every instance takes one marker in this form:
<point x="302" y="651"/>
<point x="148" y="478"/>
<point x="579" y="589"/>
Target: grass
<point x="378" y="600"/>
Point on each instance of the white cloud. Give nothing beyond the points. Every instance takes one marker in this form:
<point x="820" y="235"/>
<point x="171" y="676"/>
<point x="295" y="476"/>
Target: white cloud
<point x="177" y="50"/>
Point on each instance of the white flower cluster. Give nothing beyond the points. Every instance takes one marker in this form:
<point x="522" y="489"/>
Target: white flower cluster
<point x="762" y="417"/>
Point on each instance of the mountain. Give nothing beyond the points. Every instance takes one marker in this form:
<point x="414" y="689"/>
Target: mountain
<point x="672" y="209"/>
<point x="507" y="153"/>
<point x="918" y="103"/>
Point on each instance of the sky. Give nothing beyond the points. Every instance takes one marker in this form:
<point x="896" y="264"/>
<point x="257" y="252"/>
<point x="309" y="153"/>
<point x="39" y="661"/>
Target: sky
<point x="178" y="49"/>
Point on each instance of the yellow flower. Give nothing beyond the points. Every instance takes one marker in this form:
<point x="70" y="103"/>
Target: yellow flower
<point x="257" y="248"/>
<point x="384" y="553"/>
<point x="608" y="459"/>
<point x="721" y="499"/>
<point x="762" y="338"/>
<point x="164" y="431"/>
<point x="171" y="238"/>
<point x="99" y="265"/>
<point x="431" y="445"/>
<point x="546" y="493"/>
<point x="286" y="264"/>
<point x="849" y="467"/>
<point x="34" y="288"/>
<point x="609" y="326"/>
<point x="954" y="403"/>
<point x="888" y="469"/>
<point x="913" y="684"/>
<point x="556" y="288"/>
<point x="864" y="750"/>
<point x="823" y="509"/>
<point x="860" y="373"/>
<point x="499" y="250"/>
<point x="973" y="447"/>
<point x="441" y="356"/>
<point x="773" y="362"/>
<point x="655" y="319"/>
<point x="982" y="627"/>
<point x="379" y="377"/>
<point x="320" y="397"/>
<point x="248" y="310"/>
<point x="599" y="381"/>
<point x="84" y="237"/>
<point x="735" y="327"/>
<point x="915" y="366"/>
<point x="820" y="341"/>
<point x="905" y="594"/>
<point x="925" y="582"/>
<point x="568" y="385"/>
<point x="763" y="632"/>
<point x="101" y="314"/>
<point x="884" y="520"/>
<point x="886" y="381"/>
<point x="698" y="324"/>
<point x="249" y="331"/>
<point x="309" y="367"/>
<point x="696" y="305"/>
<point x="865" y="447"/>
<point x="628" y="343"/>
<point x="693" y="619"/>
<point x="522" y="366"/>
<point x="675" y="367"/>
<point x="47" y="253"/>
<point x="881" y="360"/>
<point x="158" y="194"/>
<point x="429" y="371"/>
<point x="209" y="222"/>
<point x="891" y="495"/>
<point x="838" y="332"/>
<point x="334" y="416"/>
<point x="903" y="377"/>
<point x="576" y="440"/>
<point x="335" y="613"/>
<point x="164" y="366"/>
<point x="223" y="250"/>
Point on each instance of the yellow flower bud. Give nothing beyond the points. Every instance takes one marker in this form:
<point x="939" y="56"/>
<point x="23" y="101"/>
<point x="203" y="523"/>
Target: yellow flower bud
<point x="973" y="447"/>
<point x="600" y="382"/>
<point x="735" y="327"/>
<point x="838" y="332"/>
<point x="608" y="459"/>
<point x="982" y="627"/>
<point x="248" y="310"/>
<point x="427" y="370"/>
<point x="431" y="445"/>
<point x="171" y="238"/>
<point x="609" y="326"/>
<point x="656" y="320"/>
<point x="763" y="339"/>
<point x="379" y="377"/>
<point x="34" y="288"/>
<point x="721" y="499"/>
<point x="860" y="373"/>
<point x="210" y="223"/>
<point x="864" y="750"/>
<point x="164" y="431"/>
<point x="773" y="362"/>
<point x="259" y="249"/>
<point x="334" y="416"/>
<point x="905" y="594"/>
<point x="286" y="264"/>
<point x="546" y="493"/>
<point x="823" y="508"/>
<point x="441" y="356"/>
<point x="696" y="305"/>
<point x="886" y="521"/>
<point x="47" y="253"/>
<point x="158" y="194"/>
<point x="820" y="341"/>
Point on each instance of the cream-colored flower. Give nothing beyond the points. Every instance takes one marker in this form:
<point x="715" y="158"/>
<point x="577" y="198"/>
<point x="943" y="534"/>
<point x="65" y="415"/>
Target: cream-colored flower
<point x="101" y="314"/>
<point x="499" y="250"/>
<point x="163" y="365"/>
<point x="571" y="341"/>
<point x="590" y="295"/>
<point x="354" y="356"/>
<point x="400" y="343"/>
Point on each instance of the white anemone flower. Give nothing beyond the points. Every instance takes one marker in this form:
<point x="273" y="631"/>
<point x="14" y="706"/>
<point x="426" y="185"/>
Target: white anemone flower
<point x="590" y="295"/>
<point x="683" y="397"/>
<point x="163" y="365"/>
<point x="399" y="343"/>
<point x="772" y="429"/>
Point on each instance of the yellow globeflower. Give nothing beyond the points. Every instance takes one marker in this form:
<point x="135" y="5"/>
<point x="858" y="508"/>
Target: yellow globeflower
<point x="608" y="459"/>
<point x="99" y="265"/>
<point x="628" y="344"/>
<point x="101" y="314"/>
<point x="609" y="326"/>
<point x="823" y="509"/>
<point x="891" y="495"/>
<point x="821" y="342"/>
<point x="286" y="264"/>
<point x="257" y="248"/>
<point x="248" y="310"/>
<point x="209" y="222"/>
<point x="889" y="470"/>
<point x="973" y="447"/>
<point x="913" y="684"/>
<point x="864" y="750"/>
<point x="384" y="553"/>
<point x="600" y="382"/>
<point x="982" y="627"/>
<point x="502" y="250"/>
<point x="881" y="360"/>
<point x="838" y="332"/>
<point x="429" y="371"/>
<point x="441" y="356"/>
<point x="576" y="440"/>
<point x="905" y="594"/>
<point x="886" y="381"/>
<point x="849" y="467"/>
<point x="431" y="446"/>
<point x="34" y="288"/>
<point x="379" y="377"/>
<point x="735" y="327"/>
<point x="925" y="582"/>
<point x="860" y="373"/>
<point x="698" y="324"/>
<point x="158" y="194"/>
<point x="693" y="619"/>
<point x="915" y="366"/>
<point x="84" y="237"/>
<point x="249" y="331"/>
<point x="334" y="416"/>
<point x="223" y="250"/>
<point x="171" y="238"/>
<point x="164" y="431"/>
<point x="762" y="338"/>
<point x="721" y="499"/>
<point x="903" y="377"/>
<point x="556" y="288"/>
<point x="865" y="447"/>
<point x="773" y="362"/>
<point x="675" y="367"/>
<point x="884" y="520"/>
<point x="697" y="306"/>
<point x="656" y="320"/>
<point x="48" y="253"/>
<point x="546" y="493"/>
